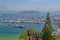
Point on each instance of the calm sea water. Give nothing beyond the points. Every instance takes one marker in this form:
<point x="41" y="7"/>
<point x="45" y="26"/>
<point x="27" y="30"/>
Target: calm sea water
<point x="12" y="33"/>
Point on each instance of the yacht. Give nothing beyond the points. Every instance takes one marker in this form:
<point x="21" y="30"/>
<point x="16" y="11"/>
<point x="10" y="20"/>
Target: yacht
<point x="18" y="26"/>
<point x="9" y="21"/>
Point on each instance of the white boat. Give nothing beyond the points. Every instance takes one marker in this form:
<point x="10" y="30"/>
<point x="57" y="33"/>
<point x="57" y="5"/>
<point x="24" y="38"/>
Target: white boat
<point x="6" y="21"/>
<point x="58" y="29"/>
<point x="18" y="26"/>
<point x="17" y="21"/>
<point x="9" y="21"/>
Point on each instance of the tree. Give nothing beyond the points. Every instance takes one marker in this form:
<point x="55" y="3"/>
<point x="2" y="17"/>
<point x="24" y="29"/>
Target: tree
<point x="47" y="30"/>
<point x="24" y="35"/>
<point x="57" y="37"/>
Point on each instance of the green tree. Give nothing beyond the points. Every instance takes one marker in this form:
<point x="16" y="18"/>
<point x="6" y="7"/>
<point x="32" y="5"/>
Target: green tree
<point x="47" y="30"/>
<point x="24" y="35"/>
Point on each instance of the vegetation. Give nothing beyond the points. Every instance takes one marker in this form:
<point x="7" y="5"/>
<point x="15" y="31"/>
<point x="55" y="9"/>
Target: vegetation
<point x="57" y="37"/>
<point x="47" y="30"/>
<point x="24" y="34"/>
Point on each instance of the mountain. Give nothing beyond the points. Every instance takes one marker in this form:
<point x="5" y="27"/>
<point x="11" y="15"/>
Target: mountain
<point x="29" y="12"/>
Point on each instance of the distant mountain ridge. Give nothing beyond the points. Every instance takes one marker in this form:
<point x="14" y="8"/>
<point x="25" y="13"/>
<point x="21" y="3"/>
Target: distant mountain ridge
<point x="28" y="12"/>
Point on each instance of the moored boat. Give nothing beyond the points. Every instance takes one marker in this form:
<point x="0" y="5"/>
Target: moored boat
<point x="18" y="26"/>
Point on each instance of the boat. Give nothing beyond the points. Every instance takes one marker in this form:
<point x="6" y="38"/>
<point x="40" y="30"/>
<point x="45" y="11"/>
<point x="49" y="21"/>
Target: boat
<point x="9" y="21"/>
<point x="6" y="21"/>
<point x="58" y="29"/>
<point x="18" y="26"/>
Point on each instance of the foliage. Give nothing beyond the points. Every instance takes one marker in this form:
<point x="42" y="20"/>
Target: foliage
<point x="57" y="37"/>
<point x="47" y="30"/>
<point x="24" y="36"/>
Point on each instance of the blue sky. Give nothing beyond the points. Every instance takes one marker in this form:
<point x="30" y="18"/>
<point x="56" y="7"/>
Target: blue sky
<point x="21" y="5"/>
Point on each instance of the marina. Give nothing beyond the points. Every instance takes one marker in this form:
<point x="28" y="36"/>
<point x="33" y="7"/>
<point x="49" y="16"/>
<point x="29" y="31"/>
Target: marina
<point x="15" y="25"/>
<point x="18" y="20"/>
<point x="30" y="20"/>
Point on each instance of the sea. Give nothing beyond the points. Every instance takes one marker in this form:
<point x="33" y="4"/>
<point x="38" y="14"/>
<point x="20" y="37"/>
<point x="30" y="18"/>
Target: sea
<point x="12" y="33"/>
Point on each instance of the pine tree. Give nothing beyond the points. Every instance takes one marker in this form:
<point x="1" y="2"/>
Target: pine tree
<point x="47" y="30"/>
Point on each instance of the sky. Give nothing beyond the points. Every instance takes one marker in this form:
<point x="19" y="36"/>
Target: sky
<point x="28" y="5"/>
